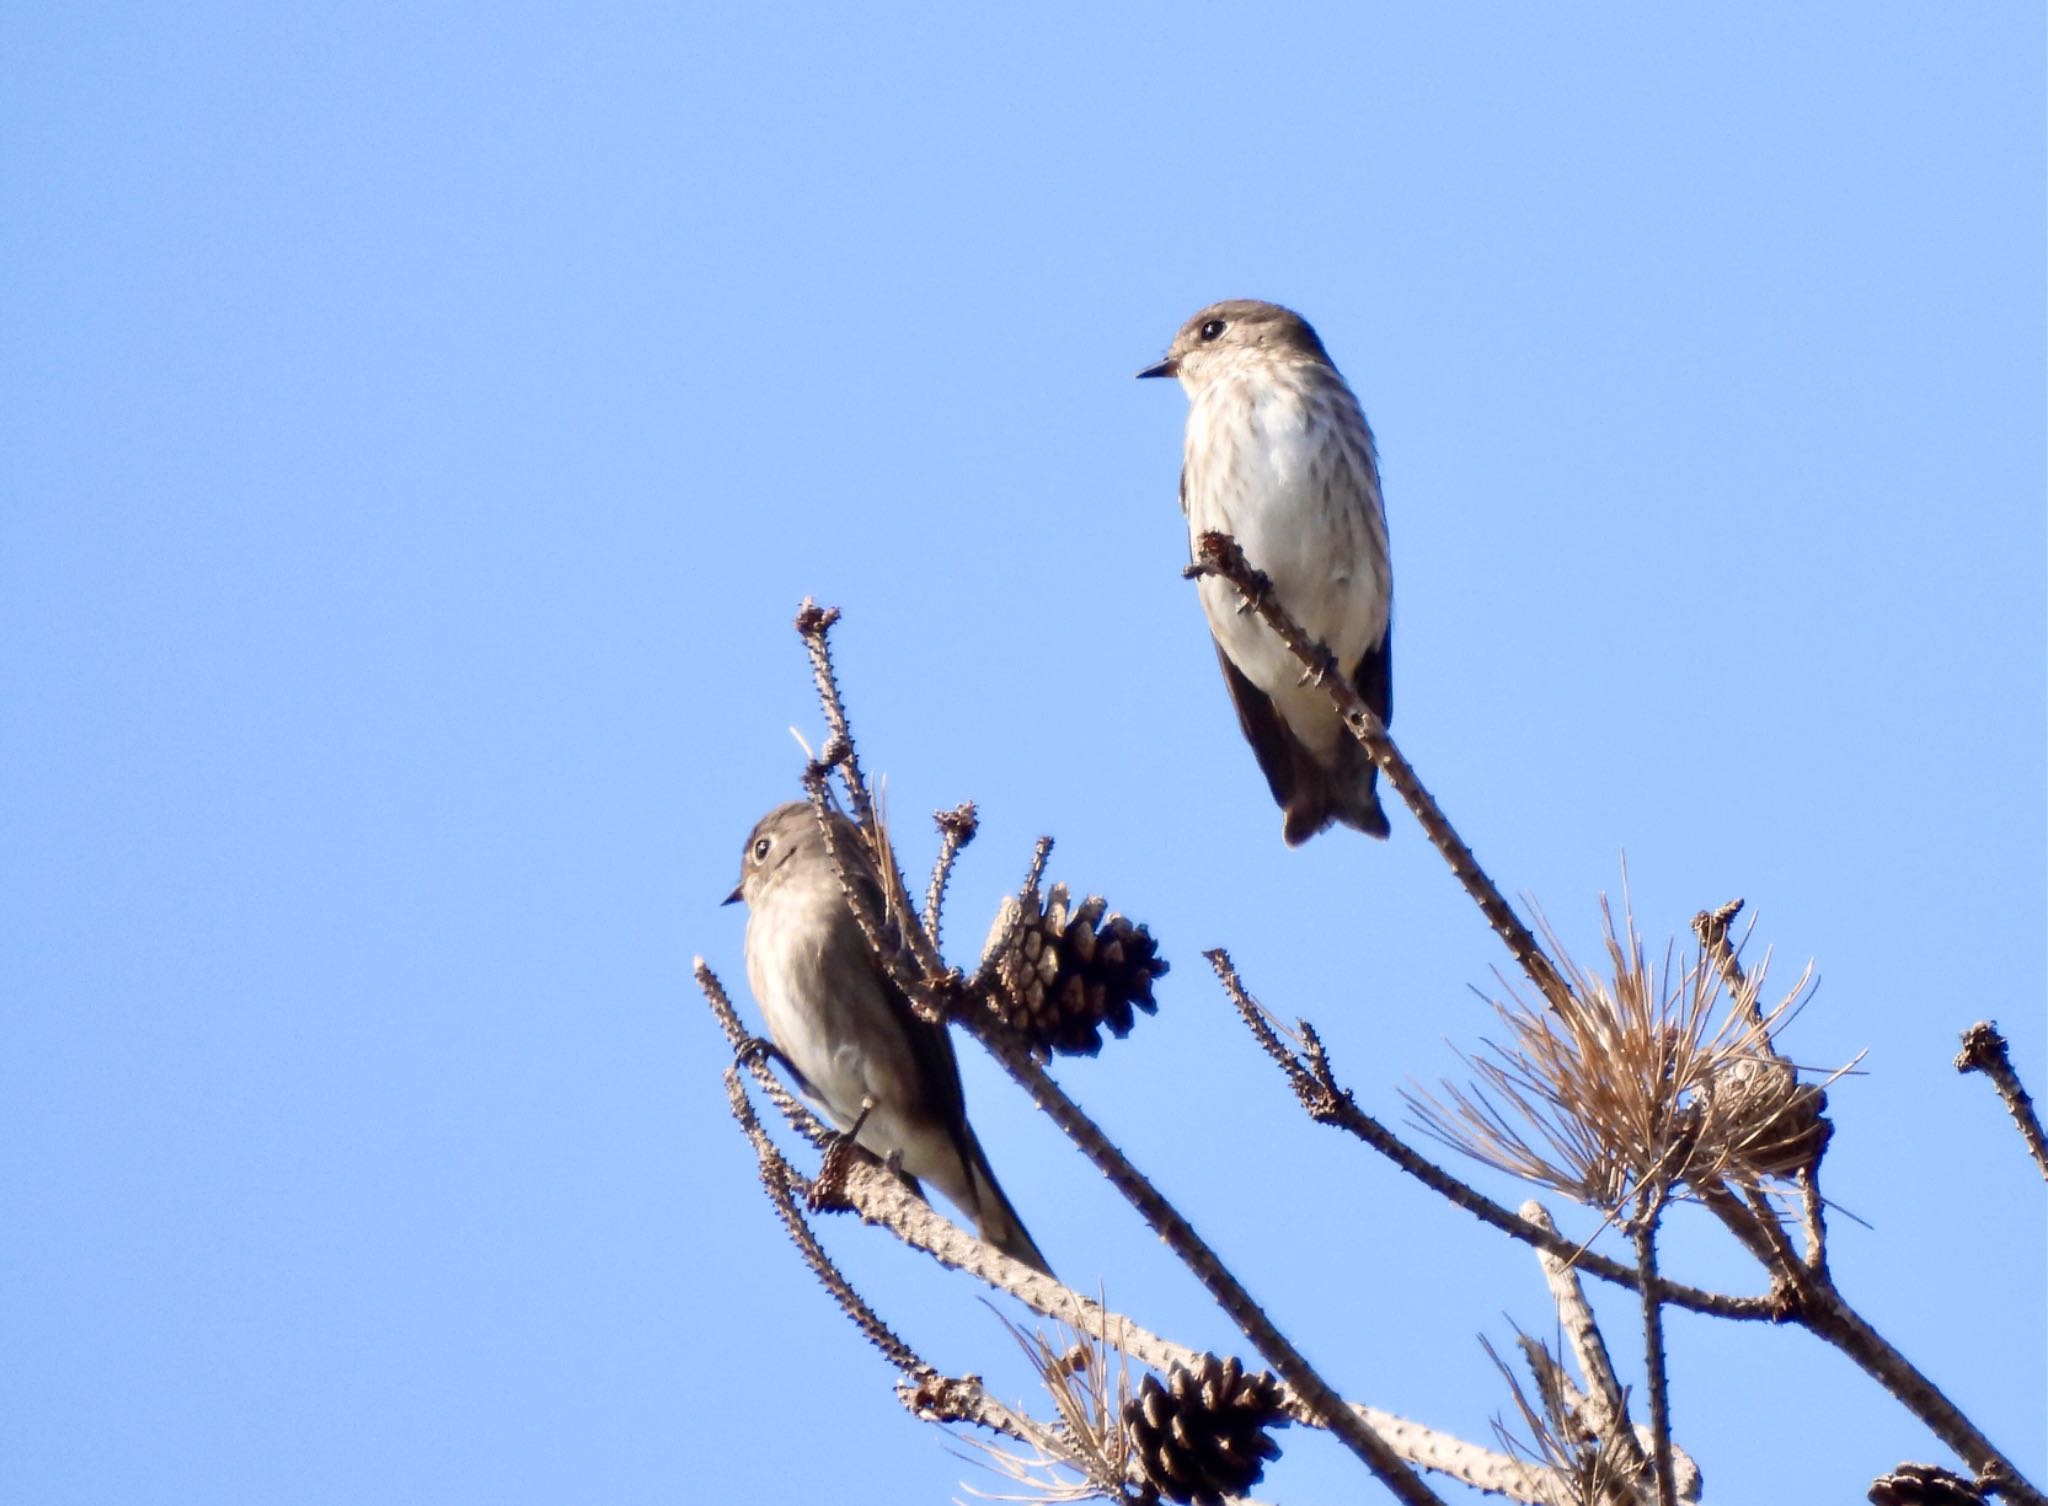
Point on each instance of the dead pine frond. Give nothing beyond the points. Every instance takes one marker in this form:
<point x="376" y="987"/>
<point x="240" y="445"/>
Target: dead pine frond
<point x="1086" y="1454"/>
<point x="1569" y="1463"/>
<point x="1641" y="1077"/>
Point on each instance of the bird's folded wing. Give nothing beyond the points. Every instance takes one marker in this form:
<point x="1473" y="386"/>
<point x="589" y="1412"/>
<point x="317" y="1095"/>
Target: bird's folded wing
<point x="1282" y="758"/>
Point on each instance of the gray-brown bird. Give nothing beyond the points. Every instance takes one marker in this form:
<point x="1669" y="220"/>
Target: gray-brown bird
<point x="847" y="1031"/>
<point x="1279" y="456"/>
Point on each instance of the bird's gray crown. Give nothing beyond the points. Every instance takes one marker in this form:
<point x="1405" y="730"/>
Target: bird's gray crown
<point x="1240" y="329"/>
<point x="784" y="834"/>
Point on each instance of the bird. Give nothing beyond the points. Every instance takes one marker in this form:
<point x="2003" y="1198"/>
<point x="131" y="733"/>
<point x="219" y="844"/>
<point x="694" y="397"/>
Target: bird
<point x="845" y="1028"/>
<point x="1278" y="454"/>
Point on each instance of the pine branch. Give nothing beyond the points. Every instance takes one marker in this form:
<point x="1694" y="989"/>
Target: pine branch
<point x="1327" y="1102"/>
<point x="956" y="829"/>
<point x="1985" y="1050"/>
<point x="1644" y="1234"/>
<point x="1605" y="1406"/>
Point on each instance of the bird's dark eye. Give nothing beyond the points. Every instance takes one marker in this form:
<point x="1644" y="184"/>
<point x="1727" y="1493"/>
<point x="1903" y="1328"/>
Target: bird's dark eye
<point x="761" y="849"/>
<point x="1213" y="329"/>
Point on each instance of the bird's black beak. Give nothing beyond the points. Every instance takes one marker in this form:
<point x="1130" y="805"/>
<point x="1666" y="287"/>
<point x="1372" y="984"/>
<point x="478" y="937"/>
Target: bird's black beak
<point x="1167" y="367"/>
<point x="735" y="897"/>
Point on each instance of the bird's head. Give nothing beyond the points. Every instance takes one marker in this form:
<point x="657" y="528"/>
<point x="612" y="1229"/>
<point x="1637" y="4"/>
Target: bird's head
<point x="1234" y="335"/>
<point x="776" y="839"/>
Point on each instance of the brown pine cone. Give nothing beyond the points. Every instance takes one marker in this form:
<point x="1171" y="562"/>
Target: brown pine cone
<point x="1923" y="1485"/>
<point x="1203" y="1434"/>
<point x="1772" y="1124"/>
<point x="1063" y="971"/>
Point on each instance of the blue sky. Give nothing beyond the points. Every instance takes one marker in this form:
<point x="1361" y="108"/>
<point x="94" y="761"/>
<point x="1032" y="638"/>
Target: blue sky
<point x="420" y="424"/>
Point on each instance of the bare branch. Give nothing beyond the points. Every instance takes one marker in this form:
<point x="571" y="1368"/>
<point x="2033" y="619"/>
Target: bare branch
<point x="924" y="1391"/>
<point x="1808" y="1297"/>
<point x="778" y="1177"/>
<point x="956" y="829"/>
<point x="1644" y="1232"/>
<point x="1711" y="926"/>
<point x="1813" y="1219"/>
<point x="879" y="1198"/>
<point x="1984" y="1050"/>
<point x="1828" y="1316"/>
<point x="1327" y="1102"/>
<point x="1605" y="1406"/>
<point x="814" y="626"/>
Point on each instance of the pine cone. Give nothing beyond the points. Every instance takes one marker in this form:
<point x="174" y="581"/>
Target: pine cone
<point x="1773" y="1123"/>
<point x="1923" y="1485"/>
<point x="1063" y="971"/>
<point x="1203" y="1434"/>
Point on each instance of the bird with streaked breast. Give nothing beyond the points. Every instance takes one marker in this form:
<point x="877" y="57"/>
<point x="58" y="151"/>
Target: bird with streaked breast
<point x="846" y="1030"/>
<point x="1278" y="455"/>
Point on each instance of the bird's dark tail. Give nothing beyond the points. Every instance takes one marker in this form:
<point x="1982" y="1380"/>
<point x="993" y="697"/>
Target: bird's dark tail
<point x="1349" y="795"/>
<point x="1359" y="806"/>
<point x="998" y="1221"/>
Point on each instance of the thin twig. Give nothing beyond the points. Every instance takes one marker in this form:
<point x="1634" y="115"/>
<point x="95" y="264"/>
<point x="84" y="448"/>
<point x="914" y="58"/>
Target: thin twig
<point x="1985" y="1050"/>
<point x="814" y="626"/>
<point x="1329" y="1103"/>
<point x="1041" y="852"/>
<point x="1762" y="1237"/>
<point x="799" y="1115"/>
<point x="1218" y="554"/>
<point x="778" y="1177"/>
<point x="925" y="1392"/>
<point x="1644" y="1232"/>
<point x="1770" y="1225"/>
<point x="960" y="1398"/>
<point x="1712" y="927"/>
<point x="1813" y="1217"/>
<point x="956" y="829"/>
